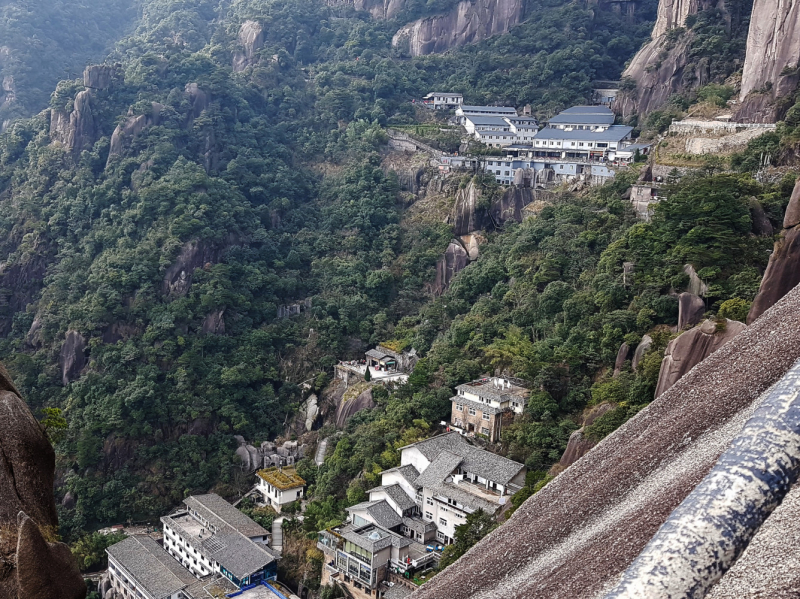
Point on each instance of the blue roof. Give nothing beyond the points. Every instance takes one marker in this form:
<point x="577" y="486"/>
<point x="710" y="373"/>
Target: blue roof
<point x="613" y="133"/>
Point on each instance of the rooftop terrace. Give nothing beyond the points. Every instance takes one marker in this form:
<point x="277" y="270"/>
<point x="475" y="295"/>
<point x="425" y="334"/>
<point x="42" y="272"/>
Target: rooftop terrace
<point x="282" y="478"/>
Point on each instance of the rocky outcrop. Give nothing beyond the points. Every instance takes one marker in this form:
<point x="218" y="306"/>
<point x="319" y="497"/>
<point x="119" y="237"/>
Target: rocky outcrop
<point x="72" y="358"/>
<point x="772" y="59"/>
<point x="75" y="131"/>
<point x="578" y="444"/>
<point x="251" y="39"/>
<point x="99" y="76"/>
<point x="269" y="454"/>
<point x="178" y="277"/>
<point x="692" y="347"/>
<point x="622" y="357"/>
<point x="470" y="214"/>
<point x="129" y="129"/>
<point x="690" y="310"/>
<point x="32" y="567"/>
<point x="641" y="349"/>
<point x="467" y="23"/>
<point x="761" y="224"/>
<point x="214" y="323"/>
<point x="696" y="285"/>
<point x="662" y="67"/>
<point x="380" y="9"/>
<point x="455" y="259"/>
<point x="198" y="99"/>
<point x="783" y="271"/>
<point x="348" y="408"/>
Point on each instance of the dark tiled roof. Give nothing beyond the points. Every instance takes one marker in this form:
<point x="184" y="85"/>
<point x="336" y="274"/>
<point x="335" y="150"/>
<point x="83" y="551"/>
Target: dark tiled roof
<point x="419" y="525"/>
<point x="488" y="120"/>
<point x="465" y="498"/>
<point x="486" y="388"/>
<point x="604" y="110"/>
<point x="440" y="468"/>
<point x="150" y="566"/>
<point x="380" y="511"/>
<point x="213" y="507"/>
<point x="408" y="472"/>
<point x="396" y="493"/>
<point x="497" y="109"/>
<point x="378" y="355"/>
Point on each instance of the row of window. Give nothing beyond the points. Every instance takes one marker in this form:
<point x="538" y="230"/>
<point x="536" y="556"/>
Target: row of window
<point x="472" y="412"/>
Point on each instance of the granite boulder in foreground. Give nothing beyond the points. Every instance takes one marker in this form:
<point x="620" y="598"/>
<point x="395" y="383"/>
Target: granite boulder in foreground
<point x="576" y="537"/>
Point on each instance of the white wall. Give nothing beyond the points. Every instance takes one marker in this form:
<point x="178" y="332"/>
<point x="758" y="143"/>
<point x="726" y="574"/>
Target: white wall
<point x="413" y="456"/>
<point x="395" y="478"/>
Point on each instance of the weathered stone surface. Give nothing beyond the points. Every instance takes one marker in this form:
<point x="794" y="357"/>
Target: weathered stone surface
<point x="72" y="360"/>
<point x="99" y="76"/>
<point x="641" y="350"/>
<point x="69" y="500"/>
<point x="622" y="356"/>
<point x="77" y="130"/>
<point x="132" y="127"/>
<point x="773" y="49"/>
<point x="691" y="348"/>
<point x="178" y="277"/>
<point x="251" y="39"/>
<point x="696" y="285"/>
<point x="197" y="98"/>
<point x="45" y="570"/>
<point x="470" y="216"/>
<point x="32" y="568"/>
<point x="214" y="323"/>
<point x="675" y="69"/>
<point x="782" y="274"/>
<point x="761" y="224"/>
<point x="792" y="216"/>
<point x="472" y="244"/>
<point x="467" y="23"/>
<point x="690" y="310"/>
<point x="312" y="411"/>
<point x="347" y="409"/>
<point x="578" y="445"/>
<point x="455" y="260"/>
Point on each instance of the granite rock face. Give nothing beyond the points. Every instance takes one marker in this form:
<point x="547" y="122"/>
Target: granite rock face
<point x="347" y="409"/>
<point x="690" y="310"/>
<point x="31" y="568"/>
<point x="641" y="350"/>
<point x="77" y="130"/>
<point x="467" y="23"/>
<point x="99" y="76"/>
<point x="72" y="359"/>
<point x="772" y="58"/>
<point x="783" y="271"/>
<point x="675" y="70"/>
<point x="691" y="348"/>
<point x="178" y="277"/>
<point x="251" y="39"/>
<point x="578" y="445"/>
<point x="455" y="259"/>
<point x="132" y="127"/>
<point x="470" y="214"/>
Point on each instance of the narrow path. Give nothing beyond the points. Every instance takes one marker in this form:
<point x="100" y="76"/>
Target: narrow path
<point x="322" y="449"/>
<point x="277" y="533"/>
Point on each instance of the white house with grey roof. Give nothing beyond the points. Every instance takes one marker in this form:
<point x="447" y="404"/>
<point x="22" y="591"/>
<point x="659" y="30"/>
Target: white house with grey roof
<point x="485" y="406"/>
<point x="209" y="536"/>
<point x="443" y="100"/>
<point x="139" y="567"/>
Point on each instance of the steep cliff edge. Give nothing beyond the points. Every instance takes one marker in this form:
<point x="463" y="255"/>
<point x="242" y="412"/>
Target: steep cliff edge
<point x="30" y="566"/>
<point x="773" y="56"/>
<point x="663" y="67"/>
<point x="467" y="23"/>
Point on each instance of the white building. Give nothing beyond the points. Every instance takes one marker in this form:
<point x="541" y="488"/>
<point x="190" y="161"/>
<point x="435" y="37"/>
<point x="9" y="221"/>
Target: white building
<point x="444" y="101"/>
<point x="501" y="111"/>
<point x="210" y="536"/>
<point x="280" y="486"/>
<point x="593" y="118"/>
<point x="139" y="567"/>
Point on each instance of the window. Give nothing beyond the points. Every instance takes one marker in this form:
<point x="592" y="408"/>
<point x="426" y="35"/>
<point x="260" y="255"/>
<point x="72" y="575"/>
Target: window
<point x="428" y="516"/>
<point x="442" y="522"/>
<point x="459" y="407"/>
<point x="429" y="500"/>
<point x="472" y="410"/>
<point x="485" y="430"/>
<point x="486" y="416"/>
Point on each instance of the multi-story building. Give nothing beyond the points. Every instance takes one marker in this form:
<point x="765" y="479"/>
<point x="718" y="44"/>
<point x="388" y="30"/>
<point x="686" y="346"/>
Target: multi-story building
<point x="280" y="486"/>
<point x="208" y="535"/>
<point x="468" y="111"/>
<point x="591" y="118"/>
<point x="485" y="406"/>
<point x="138" y="567"/>
<point x="443" y="101"/>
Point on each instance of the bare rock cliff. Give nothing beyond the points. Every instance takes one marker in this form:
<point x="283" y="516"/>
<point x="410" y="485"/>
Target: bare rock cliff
<point x="691" y="348"/>
<point x="132" y="127"/>
<point x="251" y="39"/>
<point x="773" y="55"/>
<point x="783" y="271"/>
<point x="31" y="567"/>
<point x="467" y="23"/>
<point x="662" y="68"/>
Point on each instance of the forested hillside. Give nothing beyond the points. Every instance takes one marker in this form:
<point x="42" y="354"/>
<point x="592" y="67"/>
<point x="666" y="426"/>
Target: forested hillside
<point x="228" y="162"/>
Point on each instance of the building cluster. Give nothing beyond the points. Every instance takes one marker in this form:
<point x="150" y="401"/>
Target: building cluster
<point x="209" y="549"/>
<point x="415" y="511"/>
<point x="485" y="406"/>
<point x="385" y="364"/>
<point x="581" y="142"/>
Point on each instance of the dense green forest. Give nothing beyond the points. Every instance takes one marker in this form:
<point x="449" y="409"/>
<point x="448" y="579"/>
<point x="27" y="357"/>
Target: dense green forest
<point x="264" y="185"/>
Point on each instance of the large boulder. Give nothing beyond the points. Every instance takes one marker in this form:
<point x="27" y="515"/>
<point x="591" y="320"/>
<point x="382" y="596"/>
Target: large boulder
<point x="761" y="224"/>
<point x="641" y="350"/>
<point x="622" y="357"/>
<point x="347" y="408"/>
<point x="783" y="271"/>
<point x="214" y="323"/>
<point x="578" y="444"/>
<point x="692" y="347"/>
<point x="455" y="259"/>
<point x="72" y="358"/>
<point x="690" y="310"/>
<point x="133" y="126"/>
<point x="251" y="40"/>
<point x="34" y="567"/>
<point x="99" y="76"/>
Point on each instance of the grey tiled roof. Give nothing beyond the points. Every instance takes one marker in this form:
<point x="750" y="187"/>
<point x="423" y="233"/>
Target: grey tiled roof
<point x="604" y="110"/>
<point x="380" y="511"/>
<point x="487" y="389"/>
<point x="360" y="537"/>
<point x="151" y="568"/>
<point x="408" y="472"/>
<point x="419" y="525"/>
<point x="378" y="355"/>
<point x="498" y="109"/>
<point x="483" y="407"/>
<point x="440" y="468"/>
<point x="613" y="133"/>
<point x="488" y="120"/>
<point x="396" y="493"/>
<point x="478" y="461"/>
<point x="212" y="505"/>
<point x="464" y="497"/>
